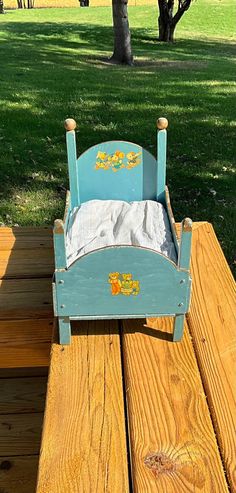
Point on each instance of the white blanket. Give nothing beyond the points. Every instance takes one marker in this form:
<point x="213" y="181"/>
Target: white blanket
<point x="99" y="223"/>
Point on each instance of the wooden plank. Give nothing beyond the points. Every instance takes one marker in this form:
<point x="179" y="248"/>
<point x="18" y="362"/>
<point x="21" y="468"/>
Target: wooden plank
<point x="25" y="343"/>
<point x="18" y="474"/>
<point x="212" y="320"/>
<point x="25" y="238"/>
<point x="172" y="440"/>
<point x="83" y="447"/>
<point x="20" y="434"/>
<point x="18" y="247"/>
<point x="25" y="298"/>
<point x="23" y="357"/>
<point x="26" y="263"/>
<point x="24" y="332"/>
<point x="22" y="395"/>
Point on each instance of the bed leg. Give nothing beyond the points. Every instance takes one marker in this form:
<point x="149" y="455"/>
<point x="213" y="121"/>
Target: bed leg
<point x="178" y="328"/>
<point x="64" y="330"/>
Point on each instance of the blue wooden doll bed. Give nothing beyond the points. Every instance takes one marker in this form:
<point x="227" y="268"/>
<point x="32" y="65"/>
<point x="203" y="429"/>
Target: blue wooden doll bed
<point x="125" y="280"/>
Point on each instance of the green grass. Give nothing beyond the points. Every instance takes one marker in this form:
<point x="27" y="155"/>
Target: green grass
<point x="51" y="68"/>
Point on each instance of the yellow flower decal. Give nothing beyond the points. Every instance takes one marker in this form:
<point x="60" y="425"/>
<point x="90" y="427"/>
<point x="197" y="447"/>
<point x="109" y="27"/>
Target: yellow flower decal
<point x="101" y="155"/>
<point x="117" y="160"/>
<point x="123" y="284"/>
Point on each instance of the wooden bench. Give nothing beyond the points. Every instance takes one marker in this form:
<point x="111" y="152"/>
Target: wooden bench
<point x="127" y="410"/>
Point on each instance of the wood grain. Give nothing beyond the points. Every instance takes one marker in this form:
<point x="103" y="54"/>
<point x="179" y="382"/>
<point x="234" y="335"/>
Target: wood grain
<point x="32" y="355"/>
<point x="25" y="343"/>
<point x="22" y="395"/>
<point x="212" y="320"/>
<point x="25" y="298"/>
<point x="20" y="434"/>
<point x="18" y="257"/>
<point x="18" y="474"/>
<point x="38" y="262"/>
<point x="83" y="447"/>
<point x="25" y="332"/>
<point x="172" y="440"/>
<point x="25" y="238"/>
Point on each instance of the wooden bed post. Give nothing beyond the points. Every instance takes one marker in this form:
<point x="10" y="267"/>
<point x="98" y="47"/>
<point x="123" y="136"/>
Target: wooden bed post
<point x="70" y="126"/>
<point x="183" y="263"/>
<point x="60" y="264"/>
<point x="185" y="244"/>
<point x="59" y="244"/>
<point x="162" y="124"/>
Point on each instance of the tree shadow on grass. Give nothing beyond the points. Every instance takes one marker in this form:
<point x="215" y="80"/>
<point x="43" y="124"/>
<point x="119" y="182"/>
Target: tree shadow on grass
<point x="52" y="71"/>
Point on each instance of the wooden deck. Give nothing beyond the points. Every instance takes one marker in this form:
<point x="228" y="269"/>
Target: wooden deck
<point x="127" y="410"/>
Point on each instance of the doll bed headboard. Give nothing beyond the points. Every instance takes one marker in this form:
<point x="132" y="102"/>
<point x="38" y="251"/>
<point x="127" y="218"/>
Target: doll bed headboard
<point x="116" y="170"/>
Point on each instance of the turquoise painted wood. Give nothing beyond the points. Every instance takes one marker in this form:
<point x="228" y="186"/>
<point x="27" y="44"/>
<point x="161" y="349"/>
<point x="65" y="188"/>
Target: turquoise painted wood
<point x="161" y="165"/>
<point x="84" y="289"/>
<point x="59" y="250"/>
<point x="72" y="166"/>
<point x="117" y="170"/>
<point x="178" y="328"/>
<point x="167" y="206"/>
<point x="119" y="282"/>
<point x="185" y="248"/>
<point x="64" y="330"/>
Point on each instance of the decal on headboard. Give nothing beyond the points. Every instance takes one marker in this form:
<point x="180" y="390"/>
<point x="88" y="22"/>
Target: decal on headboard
<point x="123" y="284"/>
<point x="118" y="160"/>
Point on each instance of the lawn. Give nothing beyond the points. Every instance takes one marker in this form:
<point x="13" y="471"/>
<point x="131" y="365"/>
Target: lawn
<point x="52" y="67"/>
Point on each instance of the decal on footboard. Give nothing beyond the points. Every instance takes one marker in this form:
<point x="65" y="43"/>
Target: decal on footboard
<point x="117" y="161"/>
<point x="123" y="284"/>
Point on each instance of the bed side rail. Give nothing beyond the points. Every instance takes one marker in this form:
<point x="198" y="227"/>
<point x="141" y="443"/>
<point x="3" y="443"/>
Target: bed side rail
<point x="171" y="219"/>
<point x="59" y="235"/>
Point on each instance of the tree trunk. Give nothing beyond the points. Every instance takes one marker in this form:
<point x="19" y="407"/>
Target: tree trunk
<point x="122" y="39"/>
<point x="1" y="7"/>
<point x="167" y="21"/>
<point x="166" y="29"/>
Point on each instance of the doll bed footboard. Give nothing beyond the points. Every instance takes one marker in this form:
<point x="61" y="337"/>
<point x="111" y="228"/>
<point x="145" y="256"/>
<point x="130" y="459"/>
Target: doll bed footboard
<point x="121" y="282"/>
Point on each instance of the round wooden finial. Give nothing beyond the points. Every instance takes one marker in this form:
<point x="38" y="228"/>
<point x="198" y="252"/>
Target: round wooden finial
<point x="187" y="224"/>
<point x="70" y="124"/>
<point x="162" y="123"/>
<point x="58" y="226"/>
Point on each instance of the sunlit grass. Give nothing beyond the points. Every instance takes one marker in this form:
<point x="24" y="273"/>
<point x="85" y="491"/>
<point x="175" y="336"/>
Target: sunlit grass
<point x="53" y="66"/>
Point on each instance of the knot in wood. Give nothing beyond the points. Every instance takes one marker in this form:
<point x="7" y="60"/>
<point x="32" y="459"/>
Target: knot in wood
<point x="5" y="465"/>
<point x="160" y="463"/>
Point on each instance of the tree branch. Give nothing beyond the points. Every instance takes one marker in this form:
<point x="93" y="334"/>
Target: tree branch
<point x="183" y="6"/>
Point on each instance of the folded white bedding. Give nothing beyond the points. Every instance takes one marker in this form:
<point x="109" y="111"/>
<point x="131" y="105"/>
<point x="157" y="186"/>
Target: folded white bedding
<point x="99" y="223"/>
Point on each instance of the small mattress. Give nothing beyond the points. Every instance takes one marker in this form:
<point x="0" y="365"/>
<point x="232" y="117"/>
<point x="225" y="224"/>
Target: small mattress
<point x="100" y="223"/>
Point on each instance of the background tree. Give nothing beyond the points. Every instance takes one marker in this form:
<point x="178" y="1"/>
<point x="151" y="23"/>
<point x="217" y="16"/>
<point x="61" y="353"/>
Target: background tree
<point x="25" y="4"/>
<point x="21" y="4"/>
<point x="168" y="20"/>
<point x="1" y="7"/>
<point x="122" y="40"/>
